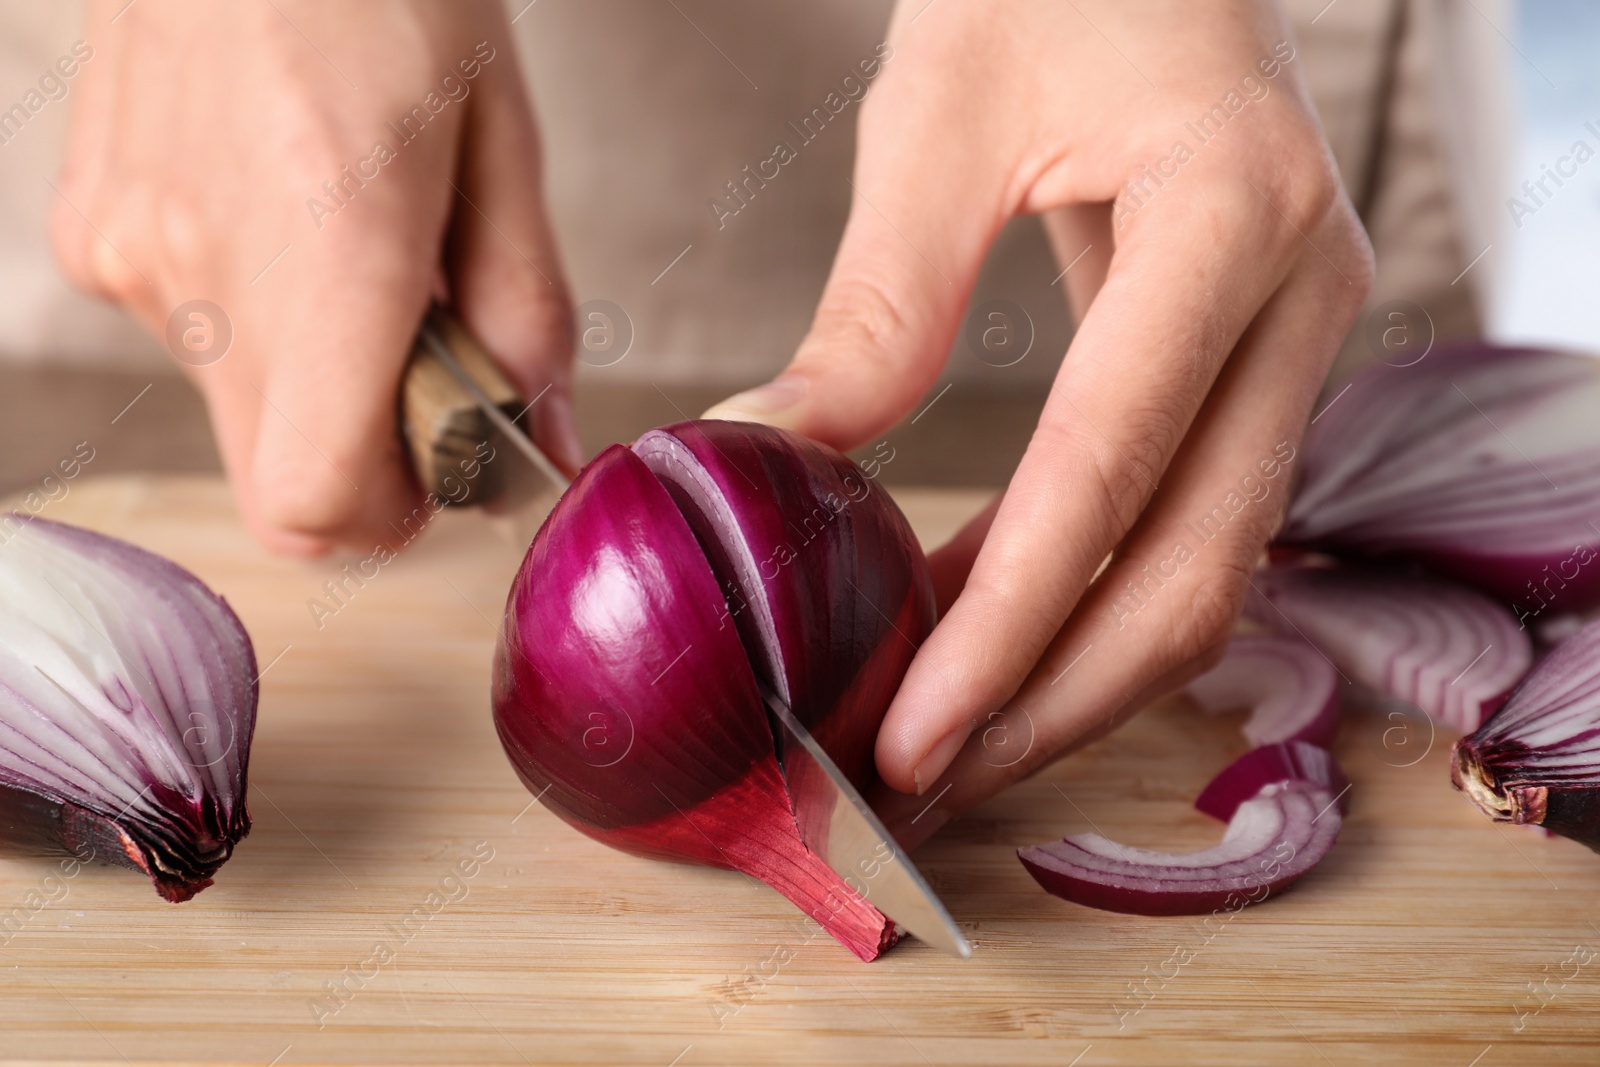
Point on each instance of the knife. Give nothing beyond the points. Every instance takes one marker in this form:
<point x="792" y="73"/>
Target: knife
<point x="455" y="403"/>
<point x="836" y="824"/>
<point x="463" y="422"/>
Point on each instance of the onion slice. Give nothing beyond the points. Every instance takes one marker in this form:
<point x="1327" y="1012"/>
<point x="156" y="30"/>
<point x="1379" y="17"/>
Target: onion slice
<point x="1291" y="689"/>
<point x="1537" y="761"/>
<point x="127" y="705"/>
<point x="1447" y="649"/>
<point x="1480" y="463"/>
<point x="1272" y="839"/>
<point x="1247" y="776"/>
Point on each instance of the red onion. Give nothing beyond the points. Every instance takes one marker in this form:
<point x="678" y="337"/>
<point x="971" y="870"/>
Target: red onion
<point x="657" y="592"/>
<point x="127" y="704"/>
<point x="1450" y="651"/>
<point x="1290" y="687"/>
<point x="1273" y="838"/>
<point x="1481" y="463"/>
<point x="1537" y="761"/>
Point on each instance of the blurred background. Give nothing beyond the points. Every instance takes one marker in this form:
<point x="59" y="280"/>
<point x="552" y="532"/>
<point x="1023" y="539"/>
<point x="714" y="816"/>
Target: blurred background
<point x="1437" y="110"/>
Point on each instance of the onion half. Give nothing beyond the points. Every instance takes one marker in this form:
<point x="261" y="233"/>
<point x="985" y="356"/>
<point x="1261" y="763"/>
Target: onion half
<point x="1537" y="761"/>
<point x="1447" y="649"/>
<point x="127" y="705"/>
<point x="658" y="591"/>
<point x="1481" y="463"/>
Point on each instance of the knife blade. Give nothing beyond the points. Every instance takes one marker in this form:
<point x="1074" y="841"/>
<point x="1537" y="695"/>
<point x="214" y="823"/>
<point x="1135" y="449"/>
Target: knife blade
<point x="836" y="824"/>
<point x="454" y="401"/>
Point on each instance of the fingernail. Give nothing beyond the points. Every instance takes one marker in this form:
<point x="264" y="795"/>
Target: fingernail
<point x="939" y="758"/>
<point x="756" y="405"/>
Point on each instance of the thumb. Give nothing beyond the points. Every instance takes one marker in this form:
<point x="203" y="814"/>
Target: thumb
<point x="505" y="276"/>
<point x="916" y="236"/>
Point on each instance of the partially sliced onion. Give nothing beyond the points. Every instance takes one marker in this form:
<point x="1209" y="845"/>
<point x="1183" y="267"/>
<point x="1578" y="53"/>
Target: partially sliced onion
<point x="626" y="685"/>
<point x="1247" y="776"/>
<point x="127" y="705"/>
<point x="1291" y="689"/>
<point x="1272" y="839"/>
<point x="1447" y="649"/>
<point x="1482" y="463"/>
<point x="1537" y="761"/>
<point x="821" y="577"/>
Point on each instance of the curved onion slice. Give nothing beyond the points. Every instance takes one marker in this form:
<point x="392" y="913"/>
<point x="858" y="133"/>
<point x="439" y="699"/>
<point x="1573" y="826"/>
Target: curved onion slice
<point x="1537" y="761"/>
<point x="624" y="689"/>
<point x="1252" y="772"/>
<point x="1272" y="839"/>
<point x="1450" y="651"/>
<point x="1290" y="687"/>
<point x="1482" y="463"/>
<point x="127" y="704"/>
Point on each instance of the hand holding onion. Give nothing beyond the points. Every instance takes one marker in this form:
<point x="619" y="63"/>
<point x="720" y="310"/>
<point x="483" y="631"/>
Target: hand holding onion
<point x="1221" y="309"/>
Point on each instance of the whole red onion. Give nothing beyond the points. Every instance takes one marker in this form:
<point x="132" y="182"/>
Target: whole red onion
<point x="667" y="585"/>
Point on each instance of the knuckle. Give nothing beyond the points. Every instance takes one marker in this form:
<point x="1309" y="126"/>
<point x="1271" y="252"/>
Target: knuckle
<point x="1352" y="251"/>
<point x="547" y="313"/>
<point x="112" y="272"/>
<point x="1313" y="186"/>
<point x="101" y="240"/>
<point x="301" y="501"/>
<point x="1301" y="181"/>
<point x="526" y="314"/>
<point x="1124" y="474"/>
<point x="1201" y="631"/>
<point x="863" y="325"/>
<point x="69" y="240"/>
<point x="180" y="235"/>
<point x="303" y="493"/>
<point x="1300" y="164"/>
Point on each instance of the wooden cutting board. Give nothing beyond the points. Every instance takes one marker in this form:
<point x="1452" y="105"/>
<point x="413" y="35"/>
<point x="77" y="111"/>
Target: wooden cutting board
<point x="376" y="779"/>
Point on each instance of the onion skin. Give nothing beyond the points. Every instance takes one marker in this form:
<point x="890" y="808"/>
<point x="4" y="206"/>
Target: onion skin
<point x="32" y="824"/>
<point x="1533" y="763"/>
<point x="1479" y="463"/>
<point x="148" y="732"/>
<point x="625" y="699"/>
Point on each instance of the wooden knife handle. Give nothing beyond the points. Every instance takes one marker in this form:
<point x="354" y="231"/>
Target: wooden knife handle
<point x="445" y="430"/>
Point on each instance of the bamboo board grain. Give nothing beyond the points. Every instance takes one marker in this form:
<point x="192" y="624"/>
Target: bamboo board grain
<point x="375" y="771"/>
